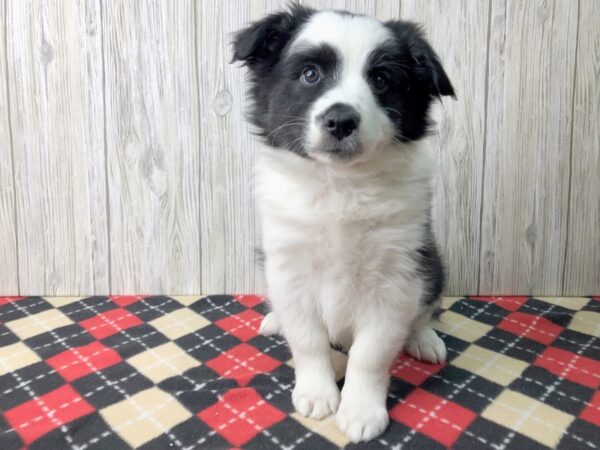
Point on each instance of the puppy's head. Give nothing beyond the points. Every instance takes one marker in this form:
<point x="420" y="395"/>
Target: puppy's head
<point x="333" y="86"/>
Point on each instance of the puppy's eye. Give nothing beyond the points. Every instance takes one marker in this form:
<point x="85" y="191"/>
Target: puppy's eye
<point x="379" y="81"/>
<point x="310" y="75"/>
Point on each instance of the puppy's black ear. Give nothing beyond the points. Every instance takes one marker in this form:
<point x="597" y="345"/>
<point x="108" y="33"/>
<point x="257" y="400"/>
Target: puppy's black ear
<point x="428" y="66"/>
<point x="260" y="44"/>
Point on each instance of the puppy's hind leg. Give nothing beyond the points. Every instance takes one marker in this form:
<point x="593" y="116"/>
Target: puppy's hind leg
<point x="270" y="325"/>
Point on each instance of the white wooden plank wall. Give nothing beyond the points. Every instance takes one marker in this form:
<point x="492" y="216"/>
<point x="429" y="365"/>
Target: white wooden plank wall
<point x="55" y="95"/>
<point x="152" y="145"/>
<point x="126" y="165"/>
<point x="526" y="173"/>
<point x="8" y="239"/>
<point x="582" y="264"/>
<point x="227" y="216"/>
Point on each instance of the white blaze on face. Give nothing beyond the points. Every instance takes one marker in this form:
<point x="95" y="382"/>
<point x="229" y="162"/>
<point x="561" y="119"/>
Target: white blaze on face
<point x="354" y="38"/>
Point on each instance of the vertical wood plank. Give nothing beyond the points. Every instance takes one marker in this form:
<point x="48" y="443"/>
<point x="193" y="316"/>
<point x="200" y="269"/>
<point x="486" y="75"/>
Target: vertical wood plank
<point x="381" y="9"/>
<point x="332" y="4"/>
<point x="55" y="80"/>
<point x="152" y="146"/>
<point x="387" y="10"/>
<point x="524" y="221"/>
<point x="458" y="33"/>
<point x="582" y="265"/>
<point x="227" y="153"/>
<point x="9" y="284"/>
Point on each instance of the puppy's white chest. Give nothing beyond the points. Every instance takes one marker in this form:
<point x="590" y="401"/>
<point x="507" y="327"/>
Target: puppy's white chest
<point x="335" y="240"/>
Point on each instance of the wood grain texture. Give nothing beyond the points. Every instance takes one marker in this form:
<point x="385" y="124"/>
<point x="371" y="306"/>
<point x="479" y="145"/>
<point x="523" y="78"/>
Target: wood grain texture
<point x="152" y="133"/>
<point x="55" y="81"/>
<point x="227" y="214"/>
<point x="382" y="9"/>
<point x="9" y="283"/>
<point x="123" y="122"/>
<point x="387" y="10"/>
<point x="582" y="265"/>
<point x="228" y="225"/>
<point x="524" y="221"/>
<point x="458" y="33"/>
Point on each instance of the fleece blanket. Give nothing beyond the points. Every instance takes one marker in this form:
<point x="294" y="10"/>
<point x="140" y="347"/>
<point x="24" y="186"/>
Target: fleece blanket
<point x="159" y="372"/>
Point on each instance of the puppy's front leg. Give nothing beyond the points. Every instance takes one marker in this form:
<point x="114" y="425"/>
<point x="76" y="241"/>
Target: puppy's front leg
<point x="315" y="394"/>
<point x="362" y="414"/>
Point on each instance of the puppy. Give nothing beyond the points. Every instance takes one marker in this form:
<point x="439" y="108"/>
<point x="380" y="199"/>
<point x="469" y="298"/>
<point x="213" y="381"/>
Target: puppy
<point x="344" y="190"/>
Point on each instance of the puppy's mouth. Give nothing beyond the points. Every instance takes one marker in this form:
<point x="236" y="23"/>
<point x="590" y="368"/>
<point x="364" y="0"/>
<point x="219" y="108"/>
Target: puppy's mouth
<point x="345" y="150"/>
<point x="342" y="153"/>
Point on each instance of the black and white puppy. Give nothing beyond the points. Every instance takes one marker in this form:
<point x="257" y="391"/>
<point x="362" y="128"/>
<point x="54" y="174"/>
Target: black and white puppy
<point x="344" y="190"/>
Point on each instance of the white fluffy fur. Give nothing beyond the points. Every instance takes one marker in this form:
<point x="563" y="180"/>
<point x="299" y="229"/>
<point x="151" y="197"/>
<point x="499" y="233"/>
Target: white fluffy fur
<point x="338" y="239"/>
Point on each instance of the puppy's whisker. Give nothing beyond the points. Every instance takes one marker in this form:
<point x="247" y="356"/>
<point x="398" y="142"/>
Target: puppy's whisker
<point x="395" y="111"/>
<point x="296" y="144"/>
<point x="290" y="123"/>
<point x="286" y="124"/>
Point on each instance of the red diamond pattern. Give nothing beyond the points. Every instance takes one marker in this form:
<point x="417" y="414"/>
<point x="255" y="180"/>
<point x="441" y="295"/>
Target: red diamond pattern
<point x="413" y="371"/>
<point x="5" y="300"/>
<point x="249" y="301"/>
<point x="126" y="300"/>
<point x="240" y="415"/>
<point x="438" y="418"/>
<point x="110" y="322"/>
<point x="46" y="413"/>
<point x="508" y="303"/>
<point x="533" y="327"/>
<point x="80" y="361"/>
<point x="591" y="413"/>
<point x="243" y="326"/>
<point x="242" y="363"/>
<point x="576" y="368"/>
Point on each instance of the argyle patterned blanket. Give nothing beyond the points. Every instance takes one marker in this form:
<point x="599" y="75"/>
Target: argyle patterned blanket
<point x="189" y="372"/>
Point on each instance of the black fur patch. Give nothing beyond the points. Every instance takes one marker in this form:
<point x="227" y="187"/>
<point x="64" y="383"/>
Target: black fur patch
<point x="415" y="79"/>
<point x="260" y="257"/>
<point x="260" y="47"/>
<point x="431" y="268"/>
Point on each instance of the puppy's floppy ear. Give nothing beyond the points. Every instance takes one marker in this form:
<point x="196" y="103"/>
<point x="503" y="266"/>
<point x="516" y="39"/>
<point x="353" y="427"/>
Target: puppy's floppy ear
<point x="260" y="44"/>
<point x="428" y="66"/>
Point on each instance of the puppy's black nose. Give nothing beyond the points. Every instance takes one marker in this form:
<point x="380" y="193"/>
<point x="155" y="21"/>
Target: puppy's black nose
<point x="340" y="120"/>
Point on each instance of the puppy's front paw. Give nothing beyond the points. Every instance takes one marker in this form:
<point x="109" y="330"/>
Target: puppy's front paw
<point x="315" y="397"/>
<point x="426" y="345"/>
<point x="361" y="417"/>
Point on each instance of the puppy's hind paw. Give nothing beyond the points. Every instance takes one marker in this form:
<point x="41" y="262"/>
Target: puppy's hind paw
<point x="425" y="345"/>
<point x="269" y="325"/>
